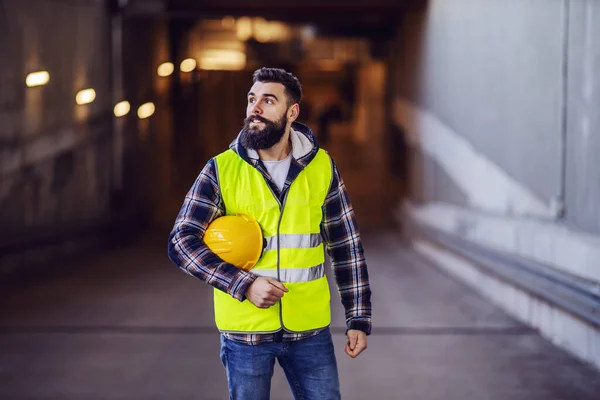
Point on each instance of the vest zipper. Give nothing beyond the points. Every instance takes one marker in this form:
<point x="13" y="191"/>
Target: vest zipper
<point x="281" y="208"/>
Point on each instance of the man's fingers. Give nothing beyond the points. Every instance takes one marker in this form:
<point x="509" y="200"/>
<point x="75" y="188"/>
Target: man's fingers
<point x="362" y="341"/>
<point x="277" y="284"/>
<point x="275" y="292"/>
<point x="270" y="299"/>
<point x="360" y="346"/>
<point x="352" y="339"/>
<point x="357" y="342"/>
<point x="348" y="351"/>
<point x="357" y="350"/>
<point x="267" y="301"/>
<point x="266" y="304"/>
<point x="267" y="292"/>
<point x="353" y="353"/>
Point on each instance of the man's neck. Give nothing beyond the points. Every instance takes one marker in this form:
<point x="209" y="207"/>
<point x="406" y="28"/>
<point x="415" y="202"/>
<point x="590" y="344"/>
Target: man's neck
<point x="279" y="151"/>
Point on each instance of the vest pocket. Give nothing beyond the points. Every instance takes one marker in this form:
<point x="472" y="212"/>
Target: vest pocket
<point x="233" y="316"/>
<point x="306" y="306"/>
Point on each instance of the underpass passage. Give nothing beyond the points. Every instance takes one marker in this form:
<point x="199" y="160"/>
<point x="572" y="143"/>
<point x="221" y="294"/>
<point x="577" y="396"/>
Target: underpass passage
<point x="127" y="324"/>
<point x="415" y="118"/>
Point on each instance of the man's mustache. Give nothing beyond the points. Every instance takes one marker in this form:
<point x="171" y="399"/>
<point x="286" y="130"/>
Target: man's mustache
<point x="256" y="117"/>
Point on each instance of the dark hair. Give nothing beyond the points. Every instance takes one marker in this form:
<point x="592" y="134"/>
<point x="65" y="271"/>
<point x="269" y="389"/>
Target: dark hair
<point x="293" y="89"/>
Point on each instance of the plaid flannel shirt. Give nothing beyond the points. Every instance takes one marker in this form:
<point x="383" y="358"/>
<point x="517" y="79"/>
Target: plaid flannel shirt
<point x="203" y="203"/>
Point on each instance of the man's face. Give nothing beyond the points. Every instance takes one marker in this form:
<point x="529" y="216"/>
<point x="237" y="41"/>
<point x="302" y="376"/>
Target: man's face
<point x="266" y="116"/>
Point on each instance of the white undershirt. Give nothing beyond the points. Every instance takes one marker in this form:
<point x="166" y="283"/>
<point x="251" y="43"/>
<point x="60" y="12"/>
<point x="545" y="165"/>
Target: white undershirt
<point x="279" y="170"/>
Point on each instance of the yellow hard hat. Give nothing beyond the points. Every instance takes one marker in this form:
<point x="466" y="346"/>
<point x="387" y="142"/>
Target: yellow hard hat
<point x="236" y="239"/>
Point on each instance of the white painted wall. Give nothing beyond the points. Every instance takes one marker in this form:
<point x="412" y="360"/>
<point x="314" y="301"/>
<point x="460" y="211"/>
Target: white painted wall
<point x="486" y="185"/>
<point x="487" y="111"/>
<point x="548" y="243"/>
<point x="499" y="102"/>
<point x="491" y="70"/>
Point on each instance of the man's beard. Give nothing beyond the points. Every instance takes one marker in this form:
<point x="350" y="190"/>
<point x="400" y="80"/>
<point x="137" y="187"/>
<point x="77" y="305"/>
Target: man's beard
<point x="269" y="136"/>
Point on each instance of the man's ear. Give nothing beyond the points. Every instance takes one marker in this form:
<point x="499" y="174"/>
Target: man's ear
<point x="293" y="112"/>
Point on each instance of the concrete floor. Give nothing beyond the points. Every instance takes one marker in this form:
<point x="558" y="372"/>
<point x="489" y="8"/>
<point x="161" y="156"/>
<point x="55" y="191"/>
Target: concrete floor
<point x="129" y="325"/>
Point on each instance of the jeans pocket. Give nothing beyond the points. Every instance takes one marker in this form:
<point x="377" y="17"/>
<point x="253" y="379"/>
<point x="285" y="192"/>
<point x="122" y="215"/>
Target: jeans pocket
<point x="223" y="352"/>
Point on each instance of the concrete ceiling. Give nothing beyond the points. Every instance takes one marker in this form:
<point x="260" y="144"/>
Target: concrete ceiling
<point x="365" y="18"/>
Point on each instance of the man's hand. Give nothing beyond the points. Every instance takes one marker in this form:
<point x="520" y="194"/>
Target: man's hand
<point x="264" y="292"/>
<point x="357" y="342"/>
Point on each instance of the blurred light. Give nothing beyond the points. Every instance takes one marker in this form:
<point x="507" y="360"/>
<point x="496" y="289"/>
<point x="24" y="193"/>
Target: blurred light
<point x="165" y="69"/>
<point x="188" y="65"/>
<point x="122" y="108"/>
<point x="279" y="31"/>
<point x="85" y="96"/>
<point x="232" y="60"/>
<point x="308" y="32"/>
<point x="261" y="30"/>
<point x="228" y="22"/>
<point x="329" y="65"/>
<point x="37" y="78"/>
<point x="272" y="31"/>
<point x="244" y="28"/>
<point x="146" y="110"/>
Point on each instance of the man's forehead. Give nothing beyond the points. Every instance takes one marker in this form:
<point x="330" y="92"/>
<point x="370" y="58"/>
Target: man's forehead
<point x="267" y="87"/>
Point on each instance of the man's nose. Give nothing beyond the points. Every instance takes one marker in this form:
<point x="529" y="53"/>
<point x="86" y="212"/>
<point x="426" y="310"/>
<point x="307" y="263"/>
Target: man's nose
<point x="255" y="109"/>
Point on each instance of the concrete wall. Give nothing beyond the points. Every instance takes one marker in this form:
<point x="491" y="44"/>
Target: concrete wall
<point x="65" y="167"/>
<point x="147" y="153"/>
<point x="52" y="151"/>
<point x="474" y="57"/>
<point x="497" y="101"/>
<point x="582" y="180"/>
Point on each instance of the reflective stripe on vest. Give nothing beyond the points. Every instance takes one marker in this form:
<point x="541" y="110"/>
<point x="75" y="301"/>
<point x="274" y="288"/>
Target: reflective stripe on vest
<point x="292" y="241"/>
<point x="298" y="261"/>
<point x="293" y="274"/>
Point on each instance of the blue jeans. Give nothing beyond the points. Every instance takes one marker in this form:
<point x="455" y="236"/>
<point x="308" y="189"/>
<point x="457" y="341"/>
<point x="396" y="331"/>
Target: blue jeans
<point x="309" y="365"/>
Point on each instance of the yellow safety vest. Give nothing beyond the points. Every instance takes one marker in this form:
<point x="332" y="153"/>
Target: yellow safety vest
<point x="294" y="254"/>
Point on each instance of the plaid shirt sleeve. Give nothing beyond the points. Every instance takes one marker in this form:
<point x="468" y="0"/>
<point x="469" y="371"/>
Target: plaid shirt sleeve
<point x="203" y="203"/>
<point x="344" y="246"/>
